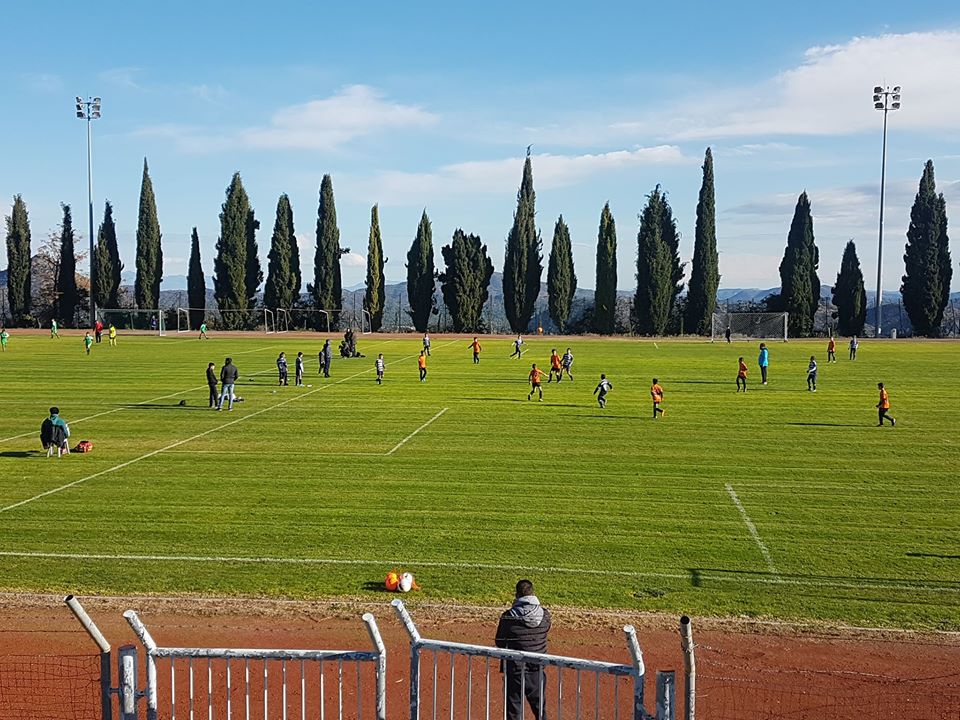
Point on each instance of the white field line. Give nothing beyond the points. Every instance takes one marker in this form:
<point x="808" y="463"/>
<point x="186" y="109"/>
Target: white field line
<point x="408" y="437"/>
<point x="195" y="437"/>
<point x="252" y="560"/>
<point x="753" y="532"/>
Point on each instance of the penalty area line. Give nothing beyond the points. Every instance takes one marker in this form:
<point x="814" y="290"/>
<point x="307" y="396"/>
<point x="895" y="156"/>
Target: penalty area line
<point x="411" y="435"/>
<point x="316" y="561"/>
<point x="753" y="532"/>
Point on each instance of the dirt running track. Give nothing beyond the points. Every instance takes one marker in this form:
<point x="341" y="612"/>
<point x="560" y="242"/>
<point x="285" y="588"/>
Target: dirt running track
<point x="48" y="665"/>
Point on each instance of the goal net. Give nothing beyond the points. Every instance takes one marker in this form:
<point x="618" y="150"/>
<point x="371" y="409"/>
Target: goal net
<point x="129" y="319"/>
<point x="749" y="325"/>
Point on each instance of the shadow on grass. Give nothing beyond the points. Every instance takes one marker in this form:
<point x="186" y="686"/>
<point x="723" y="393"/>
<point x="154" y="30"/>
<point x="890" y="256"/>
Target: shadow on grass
<point x="932" y="555"/>
<point x="824" y="424"/>
<point x="23" y="453"/>
<point x="158" y="406"/>
<point x="377" y="586"/>
<point x="699" y="576"/>
<point x="604" y="414"/>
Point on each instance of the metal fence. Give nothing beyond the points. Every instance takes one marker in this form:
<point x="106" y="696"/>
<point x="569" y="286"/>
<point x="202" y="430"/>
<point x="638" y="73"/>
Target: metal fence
<point x="459" y="680"/>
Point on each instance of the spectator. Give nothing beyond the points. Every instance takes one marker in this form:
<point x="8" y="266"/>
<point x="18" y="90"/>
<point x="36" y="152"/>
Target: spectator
<point x="228" y="377"/>
<point x="212" y="384"/>
<point x="55" y="434"/>
<point x="524" y="627"/>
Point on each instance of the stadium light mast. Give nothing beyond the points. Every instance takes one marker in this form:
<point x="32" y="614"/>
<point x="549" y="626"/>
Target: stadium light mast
<point x="885" y="99"/>
<point x="89" y="110"/>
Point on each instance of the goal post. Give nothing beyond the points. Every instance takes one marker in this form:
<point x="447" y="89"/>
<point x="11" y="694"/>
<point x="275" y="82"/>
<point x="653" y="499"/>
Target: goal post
<point x="366" y="322"/>
<point x="281" y="320"/>
<point x="134" y="320"/>
<point x="749" y="326"/>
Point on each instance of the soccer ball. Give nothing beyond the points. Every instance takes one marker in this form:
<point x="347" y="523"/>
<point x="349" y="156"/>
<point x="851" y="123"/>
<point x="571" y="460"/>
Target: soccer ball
<point x="392" y="581"/>
<point x="406" y="582"/>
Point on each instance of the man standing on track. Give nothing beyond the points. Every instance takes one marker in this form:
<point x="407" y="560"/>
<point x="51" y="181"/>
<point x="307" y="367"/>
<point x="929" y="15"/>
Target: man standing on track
<point x="228" y="378"/>
<point x="524" y="627"/>
<point x="475" y="346"/>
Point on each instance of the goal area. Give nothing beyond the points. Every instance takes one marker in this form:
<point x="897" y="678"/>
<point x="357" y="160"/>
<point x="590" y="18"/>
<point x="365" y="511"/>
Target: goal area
<point x="130" y="319"/>
<point x="749" y="326"/>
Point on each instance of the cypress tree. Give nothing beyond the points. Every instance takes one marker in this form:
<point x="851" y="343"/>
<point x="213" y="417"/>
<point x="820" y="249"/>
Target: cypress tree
<point x="799" y="283"/>
<point x="421" y="276"/>
<point x="465" y="282"/>
<point x="18" y="261"/>
<point x="655" y="271"/>
<point x="108" y="265"/>
<point x="926" y="283"/>
<point x="196" y="284"/>
<point x="146" y="289"/>
<point x="326" y="288"/>
<point x="230" y="265"/>
<point x="523" y="261"/>
<point x="605" y="295"/>
<point x="282" y="289"/>
<point x="849" y="294"/>
<point x="671" y="238"/>
<point x="67" y="297"/>
<point x="374" y="298"/>
<point x="561" y="279"/>
<point x="705" y="272"/>
<point x="253" y="274"/>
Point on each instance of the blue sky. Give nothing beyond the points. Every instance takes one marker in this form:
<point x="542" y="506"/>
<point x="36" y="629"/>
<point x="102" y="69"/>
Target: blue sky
<point x="432" y="105"/>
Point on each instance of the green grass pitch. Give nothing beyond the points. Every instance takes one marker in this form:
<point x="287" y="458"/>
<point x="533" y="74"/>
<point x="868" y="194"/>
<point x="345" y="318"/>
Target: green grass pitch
<point x="297" y="494"/>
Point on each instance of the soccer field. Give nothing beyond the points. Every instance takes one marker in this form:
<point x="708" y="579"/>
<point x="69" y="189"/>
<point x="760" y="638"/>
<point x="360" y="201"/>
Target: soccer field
<point x="776" y="503"/>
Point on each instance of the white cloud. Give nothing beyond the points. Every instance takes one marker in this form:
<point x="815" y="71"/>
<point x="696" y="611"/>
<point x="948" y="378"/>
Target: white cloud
<point x="830" y="92"/>
<point x="499" y="176"/>
<point x="213" y="94"/>
<point x="357" y="110"/>
<point x="46" y="83"/>
<point x="352" y="259"/>
<point x="123" y="76"/>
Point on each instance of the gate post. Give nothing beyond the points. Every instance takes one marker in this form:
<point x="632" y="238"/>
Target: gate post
<point x="666" y="694"/>
<point x="636" y="654"/>
<point x="127" y="680"/>
<point x="689" y="668"/>
<point x="414" y="657"/>
<point x="381" y="697"/>
<point x="106" y="703"/>
<point x="150" y="646"/>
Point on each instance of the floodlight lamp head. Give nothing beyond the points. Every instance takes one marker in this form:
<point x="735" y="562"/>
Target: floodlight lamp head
<point x="80" y="114"/>
<point x="876" y="98"/>
<point x="96" y="100"/>
<point x="878" y="106"/>
<point x="878" y="89"/>
<point x="896" y="89"/>
<point x="895" y="106"/>
<point x="896" y="97"/>
<point x="95" y="115"/>
<point x="79" y="99"/>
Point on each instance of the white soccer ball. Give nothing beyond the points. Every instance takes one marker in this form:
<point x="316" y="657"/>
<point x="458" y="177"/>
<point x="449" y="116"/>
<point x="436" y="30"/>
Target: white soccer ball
<point x="406" y="583"/>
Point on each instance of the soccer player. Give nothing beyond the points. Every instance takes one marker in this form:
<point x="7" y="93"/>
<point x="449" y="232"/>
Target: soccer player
<point x="763" y="360"/>
<point x="203" y="331"/>
<point x="854" y="344"/>
<point x="603" y="387"/>
<point x="212" y="384"/>
<point x="832" y="350"/>
<point x="536" y="375"/>
<point x="87" y="342"/>
<point x="812" y="375"/>
<point x="656" y="393"/>
<point x="517" y="344"/>
<point x="282" y="369"/>
<point x="426" y="344"/>
<point x="555" y="366"/>
<point x="112" y="334"/>
<point x="566" y="362"/>
<point x="883" y="407"/>
<point x="475" y="346"/>
<point x="422" y="363"/>
<point x="298" y="369"/>
<point x="4" y="337"/>
<point x="742" y="375"/>
<point x="379" y="365"/>
<point x="53" y="329"/>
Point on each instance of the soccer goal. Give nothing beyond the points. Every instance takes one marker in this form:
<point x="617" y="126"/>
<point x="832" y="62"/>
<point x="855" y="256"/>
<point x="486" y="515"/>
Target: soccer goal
<point x="366" y="322"/>
<point x="281" y="320"/>
<point x="749" y="326"/>
<point x="130" y="319"/>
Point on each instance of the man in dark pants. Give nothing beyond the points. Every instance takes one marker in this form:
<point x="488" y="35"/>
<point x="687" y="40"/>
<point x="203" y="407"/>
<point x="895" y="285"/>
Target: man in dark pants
<point x="326" y="357"/>
<point x="524" y="627"/>
<point x="212" y="384"/>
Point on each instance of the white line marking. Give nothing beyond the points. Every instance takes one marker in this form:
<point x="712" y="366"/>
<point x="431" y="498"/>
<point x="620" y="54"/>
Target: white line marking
<point x="408" y="437"/>
<point x="753" y="532"/>
<point x="195" y="437"/>
<point x="246" y="560"/>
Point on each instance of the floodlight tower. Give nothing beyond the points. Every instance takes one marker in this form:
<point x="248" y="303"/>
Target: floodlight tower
<point x="885" y="99"/>
<point x="89" y="110"/>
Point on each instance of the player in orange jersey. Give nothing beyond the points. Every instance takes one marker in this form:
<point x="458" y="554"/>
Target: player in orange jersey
<point x="555" y="366"/>
<point x="422" y="363"/>
<point x="475" y="346"/>
<point x="656" y="393"/>
<point x="832" y="350"/>
<point x="536" y="375"/>
<point x="883" y="407"/>
<point x="742" y="375"/>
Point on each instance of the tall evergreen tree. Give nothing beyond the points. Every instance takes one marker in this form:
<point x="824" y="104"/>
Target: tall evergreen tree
<point x="196" y="284"/>
<point x="282" y="289"/>
<point x="146" y="288"/>
<point x="327" y="289"/>
<point x="655" y="269"/>
<point x="108" y="265"/>
<point x="67" y="296"/>
<point x="253" y="274"/>
<point x="561" y="278"/>
<point x="671" y="237"/>
<point x="374" y="299"/>
<point x="849" y="294"/>
<point x="705" y="272"/>
<point x="926" y="283"/>
<point x="465" y="282"/>
<point x="421" y="276"/>
<point x="523" y="261"/>
<point x="230" y="265"/>
<point x="605" y="295"/>
<point x="799" y="283"/>
<point x="18" y="261"/>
